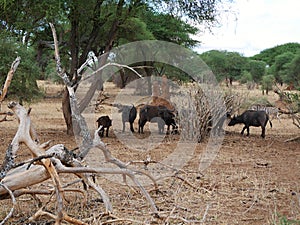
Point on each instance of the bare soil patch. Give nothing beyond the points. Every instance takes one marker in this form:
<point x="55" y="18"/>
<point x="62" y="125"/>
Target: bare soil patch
<point x="251" y="181"/>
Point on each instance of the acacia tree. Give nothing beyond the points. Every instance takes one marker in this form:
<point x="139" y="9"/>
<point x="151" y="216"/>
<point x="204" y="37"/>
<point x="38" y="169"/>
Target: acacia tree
<point x="281" y="66"/>
<point x="216" y="60"/>
<point x="293" y="75"/>
<point x="23" y="86"/>
<point x="225" y="65"/>
<point x="257" y="70"/>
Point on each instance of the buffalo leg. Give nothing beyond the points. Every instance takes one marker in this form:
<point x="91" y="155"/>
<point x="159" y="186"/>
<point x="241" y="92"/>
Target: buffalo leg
<point x="131" y="127"/>
<point x="263" y="132"/>
<point x="107" y="129"/>
<point x="141" y="126"/>
<point x="123" y="130"/>
<point x="139" y="123"/>
<point x="243" y="130"/>
<point x="248" y="131"/>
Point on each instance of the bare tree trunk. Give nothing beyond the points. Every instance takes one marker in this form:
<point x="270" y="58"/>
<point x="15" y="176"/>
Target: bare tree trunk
<point x="98" y="84"/>
<point x="67" y="112"/>
<point x="73" y="72"/>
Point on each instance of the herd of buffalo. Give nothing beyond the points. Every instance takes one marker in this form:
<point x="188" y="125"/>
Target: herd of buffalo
<point x="166" y="117"/>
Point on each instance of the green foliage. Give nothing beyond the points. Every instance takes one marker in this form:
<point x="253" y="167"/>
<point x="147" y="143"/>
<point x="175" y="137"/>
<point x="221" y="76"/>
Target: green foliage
<point x="167" y="27"/>
<point x="23" y="86"/>
<point x="205" y="12"/>
<point x="51" y="74"/>
<point x="246" y="77"/>
<point x="281" y="61"/>
<point x="267" y="82"/>
<point x="225" y="64"/>
<point x="134" y="29"/>
<point x="269" y="55"/>
<point x="217" y="62"/>
<point x="236" y="64"/>
<point x="283" y="220"/>
<point x="84" y="26"/>
<point x="282" y="65"/>
<point x="293" y="76"/>
<point x="175" y="74"/>
<point x="257" y="70"/>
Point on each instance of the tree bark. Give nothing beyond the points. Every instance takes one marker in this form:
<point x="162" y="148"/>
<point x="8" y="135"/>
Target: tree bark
<point x="67" y="112"/>
<point x="98" y="84"/>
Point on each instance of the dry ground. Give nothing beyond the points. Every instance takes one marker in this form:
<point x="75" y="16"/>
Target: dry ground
<point x="251" y="181"/>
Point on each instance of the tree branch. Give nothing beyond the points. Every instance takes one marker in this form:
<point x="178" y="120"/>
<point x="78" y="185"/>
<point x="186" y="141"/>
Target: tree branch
<point x="13" y="201"/>
<point x="9" y="77"/>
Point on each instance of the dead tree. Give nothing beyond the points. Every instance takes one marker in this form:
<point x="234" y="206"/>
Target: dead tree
<point x="6" y="85"/>
<point x="49" y="162"/>
<point x="9" y="77"/>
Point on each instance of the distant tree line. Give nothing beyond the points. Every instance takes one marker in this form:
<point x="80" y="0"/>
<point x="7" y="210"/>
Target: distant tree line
<point x="280" y="64"/>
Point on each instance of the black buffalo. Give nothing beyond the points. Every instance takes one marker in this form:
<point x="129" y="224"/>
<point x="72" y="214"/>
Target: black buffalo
<point x="252" y="118"/>
<point x="159" y="114"/>
<point x="129" y="113"/>
<point x="168" y="118"/>
<point x="105" y="122"/>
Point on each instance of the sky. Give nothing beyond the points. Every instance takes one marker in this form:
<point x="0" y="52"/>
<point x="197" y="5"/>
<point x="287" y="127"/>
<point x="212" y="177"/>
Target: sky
<point x="254" y="25"/>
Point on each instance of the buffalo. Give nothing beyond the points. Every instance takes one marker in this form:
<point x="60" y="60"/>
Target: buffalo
<point x="252" y="118"/>
<point x="105" y="122"/>
<point x="129" y="113"/>
<point x="159" y="114"/>
<point x="168" y="118"/>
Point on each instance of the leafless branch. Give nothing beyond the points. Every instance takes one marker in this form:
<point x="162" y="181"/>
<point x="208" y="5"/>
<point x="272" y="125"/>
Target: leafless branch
<point x="9" y="77"/>
<point x="14" y="202"/>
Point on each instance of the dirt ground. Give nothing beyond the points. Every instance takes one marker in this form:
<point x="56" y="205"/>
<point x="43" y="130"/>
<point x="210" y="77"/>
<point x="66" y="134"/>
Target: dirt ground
<point x="251" y="180"/>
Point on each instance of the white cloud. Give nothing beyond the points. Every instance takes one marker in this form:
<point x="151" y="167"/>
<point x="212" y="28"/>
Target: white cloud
<point x="256" y="25"/>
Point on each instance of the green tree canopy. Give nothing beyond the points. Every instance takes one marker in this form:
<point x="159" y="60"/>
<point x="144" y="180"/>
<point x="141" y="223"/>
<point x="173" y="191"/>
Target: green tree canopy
<point x="257" y="70"/>
<point x="269" y="55"/>
<point x="225" y="65"/>
<point x="99" y="25"/>
<point x="24" y="81"/>
<point x="217" y="62"/>
<point x="167" y="27"/>
<point x="294" y="72"/>
<point x="246" y="77"/>
<point x="267" y="82"/>
<point x="282" y="66"/>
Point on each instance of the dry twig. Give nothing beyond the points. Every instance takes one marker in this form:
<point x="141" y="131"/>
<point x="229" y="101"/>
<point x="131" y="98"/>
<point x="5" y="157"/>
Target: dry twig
<point x="13" y="202"/>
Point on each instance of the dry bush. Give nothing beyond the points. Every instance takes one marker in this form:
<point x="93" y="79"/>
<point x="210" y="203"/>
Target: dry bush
<point x="291" y="101"/>
<point x="203" y="108"/>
